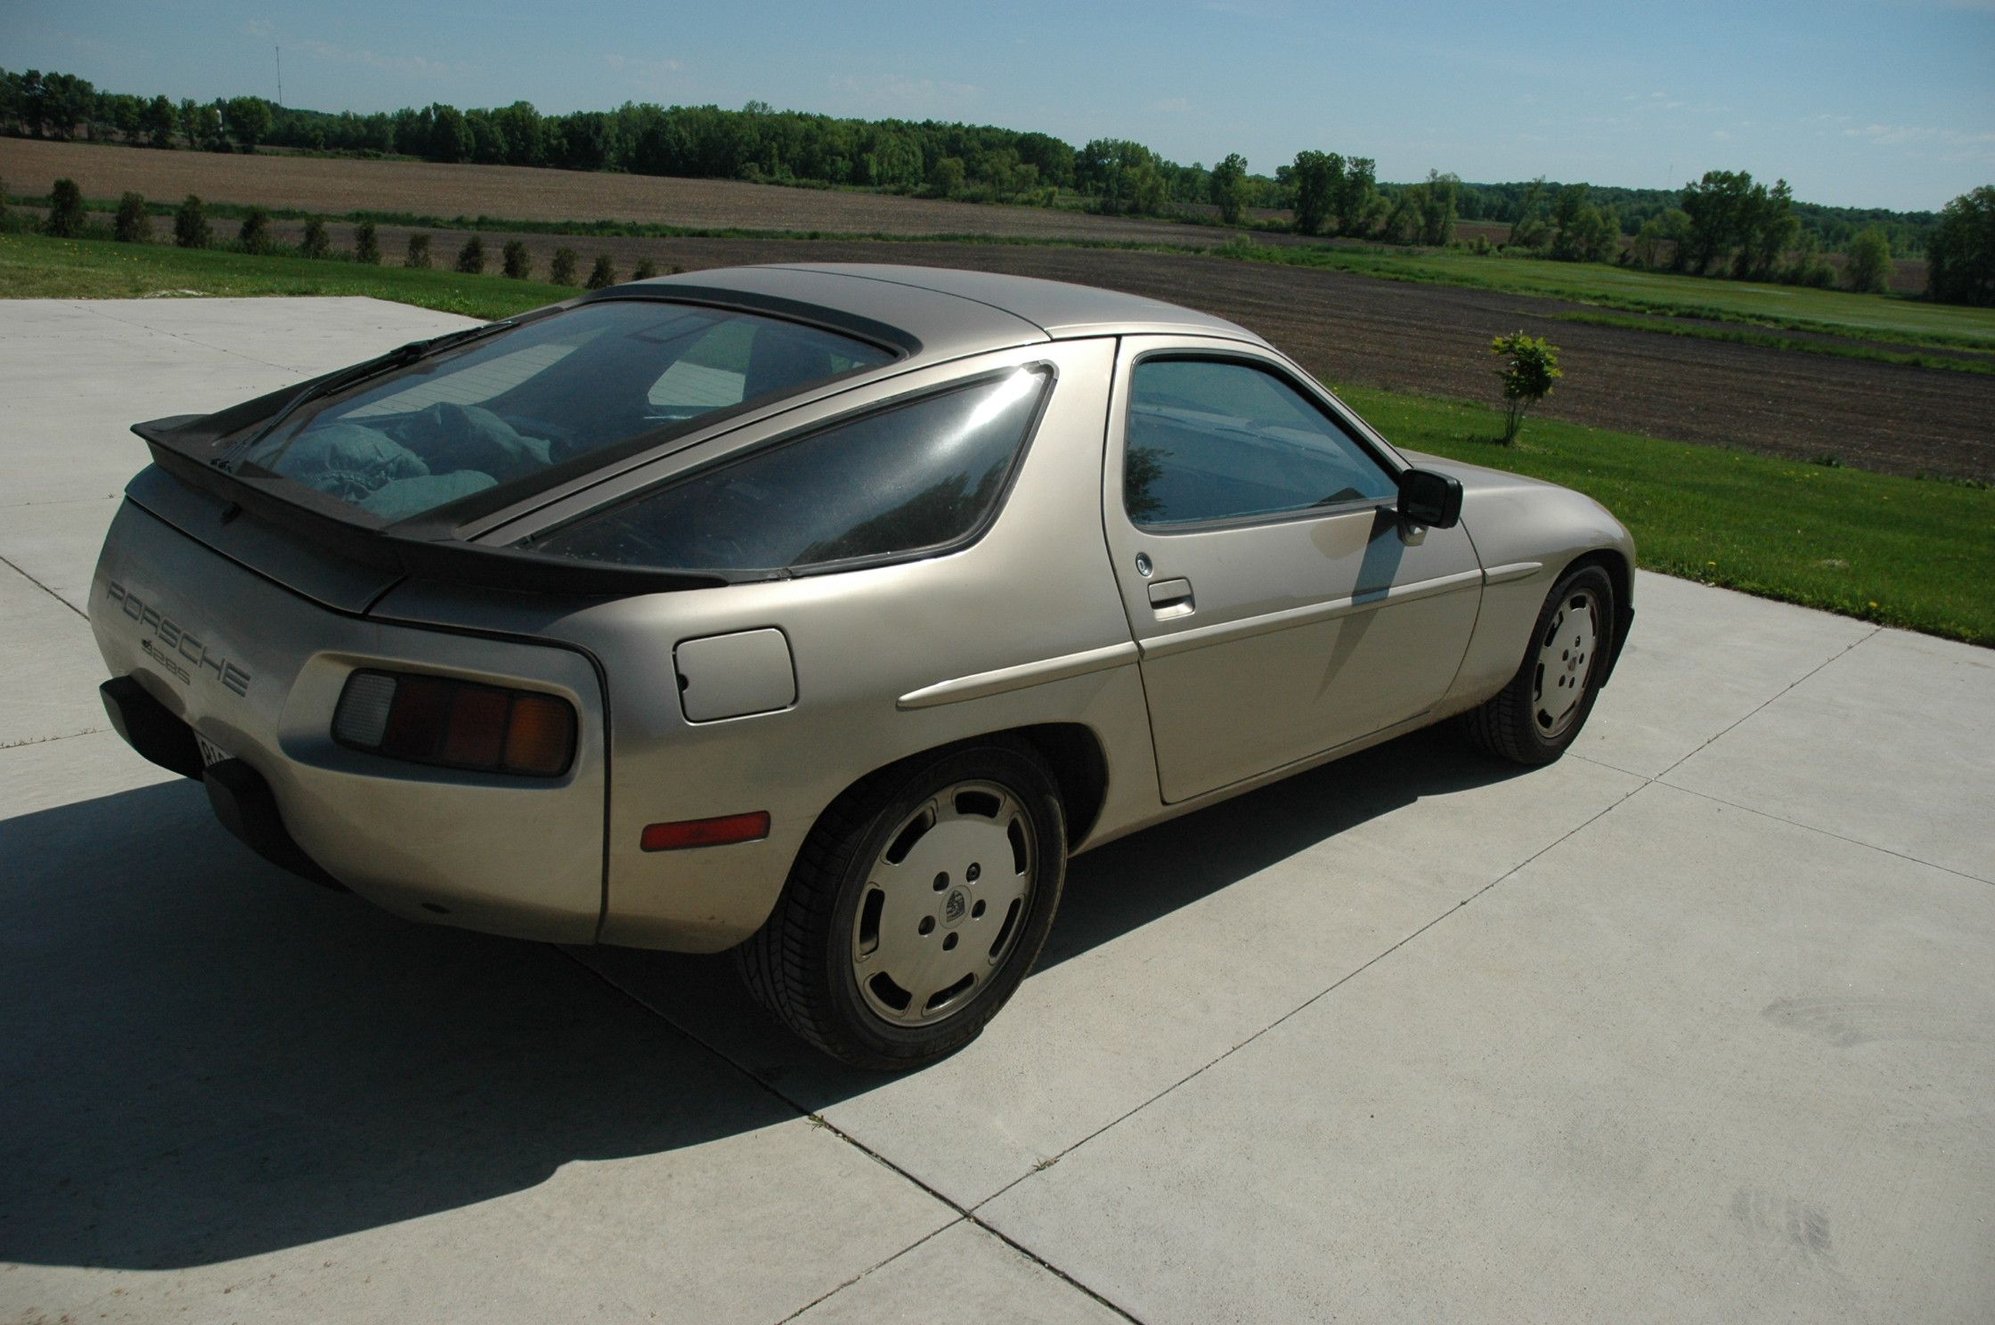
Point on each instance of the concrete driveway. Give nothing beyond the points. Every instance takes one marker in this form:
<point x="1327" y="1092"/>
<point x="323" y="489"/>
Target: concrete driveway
<point x="1697" y="1023"/>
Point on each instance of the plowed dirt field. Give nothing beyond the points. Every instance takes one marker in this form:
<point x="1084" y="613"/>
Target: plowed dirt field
<point x="1344" y="328"/>
<point x="1435" y="339"/>
<point x="321" y="184"/>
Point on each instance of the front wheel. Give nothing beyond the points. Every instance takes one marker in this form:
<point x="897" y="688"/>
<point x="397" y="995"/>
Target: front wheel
<point x="1534" y="718"/>
<point x="916" y="906"/>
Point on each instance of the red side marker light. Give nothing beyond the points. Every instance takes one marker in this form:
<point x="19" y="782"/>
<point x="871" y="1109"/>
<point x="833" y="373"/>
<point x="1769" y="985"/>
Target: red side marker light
<point x="720" y="832"/>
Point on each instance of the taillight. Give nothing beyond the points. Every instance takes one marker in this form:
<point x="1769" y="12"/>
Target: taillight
<point x="457" y="724"/>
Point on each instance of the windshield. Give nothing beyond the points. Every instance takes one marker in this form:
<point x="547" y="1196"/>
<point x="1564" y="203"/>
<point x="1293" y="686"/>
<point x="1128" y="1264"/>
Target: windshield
<point x="549" y="392"/>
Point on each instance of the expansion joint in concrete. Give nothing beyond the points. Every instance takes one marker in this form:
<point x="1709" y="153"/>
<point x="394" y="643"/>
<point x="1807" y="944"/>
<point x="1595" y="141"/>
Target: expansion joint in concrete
<point x="1317" y="997"/>
<point x="44" y="588"/>
<point x="1836" y="657"/>
<point x="964" y="1214"/>
<point x="96" y="308"/>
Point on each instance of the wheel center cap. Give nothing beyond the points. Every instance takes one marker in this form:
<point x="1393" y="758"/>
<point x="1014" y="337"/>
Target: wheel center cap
<point x="955" y="906"/>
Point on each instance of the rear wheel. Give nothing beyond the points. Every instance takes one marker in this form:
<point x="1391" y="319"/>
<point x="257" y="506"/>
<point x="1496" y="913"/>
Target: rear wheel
<point x="915" y="908"/>
<point x="1534" y="718"/>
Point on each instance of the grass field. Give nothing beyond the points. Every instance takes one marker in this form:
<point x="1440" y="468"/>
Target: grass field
<point x="1831" y="312"/>
<point x="1900" y="551"/>
<point x="36" y="268"/>
<point x="1947" y="358"/>
<point x="328" y="186"/>
<point x="1918" y="554"/>
<point x="532" y="199"/>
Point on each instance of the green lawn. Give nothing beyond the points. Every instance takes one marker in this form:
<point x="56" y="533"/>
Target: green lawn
<point x="1894" y="550"/>
<point x="1835" y="312"/>
<point x="1895" y="319"/>
<point x="1949" y="359"/>
<point x="1905" y="552"/>
<point x="32" y="267"/>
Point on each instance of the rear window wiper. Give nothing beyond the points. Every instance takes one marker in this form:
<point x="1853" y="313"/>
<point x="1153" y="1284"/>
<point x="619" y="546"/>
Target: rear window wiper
<point x="399" y="357"/>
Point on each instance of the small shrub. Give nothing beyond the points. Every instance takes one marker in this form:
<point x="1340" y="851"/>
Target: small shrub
<point x="255" y="233"/>
<point x="314" y="244"/>
<point x="134" y="223"/>
<point x="9" y="221"/>
<point x="518" y="262"/>
<point x="602" y="274"/>
<point x="644" y="270"/>
<point x="1867" y="264"/>
<point x="418" y="259"/>
<point x="190" y="224"/>
<point x="366" y="244"/>
<point x="562" y="272"/>
<point x="1531" y="365"/>
<point x="471" y="258"/>
<point x="65" y="211"/>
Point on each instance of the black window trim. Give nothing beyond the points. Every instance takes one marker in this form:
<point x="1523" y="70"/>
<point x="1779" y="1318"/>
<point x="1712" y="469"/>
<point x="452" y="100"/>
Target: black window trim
<point x="802" y="432"/>
<point x="901" y="344"/>
<point x="1328" y="405"/>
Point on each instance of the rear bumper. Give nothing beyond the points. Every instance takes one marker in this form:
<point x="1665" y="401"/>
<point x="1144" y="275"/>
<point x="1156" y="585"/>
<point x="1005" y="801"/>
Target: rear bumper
<point x="241" y="799"/>
<point x="150" y="728"/>
<point x="203" y="648"/>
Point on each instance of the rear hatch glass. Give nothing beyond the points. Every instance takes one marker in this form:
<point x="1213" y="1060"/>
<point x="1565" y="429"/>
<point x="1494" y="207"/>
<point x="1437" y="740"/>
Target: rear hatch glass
<point x="505" y="412"/>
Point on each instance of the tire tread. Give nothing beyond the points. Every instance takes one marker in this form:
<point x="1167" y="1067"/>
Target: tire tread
<point x="780" y="964"/>
<point x="1502" y="724"/>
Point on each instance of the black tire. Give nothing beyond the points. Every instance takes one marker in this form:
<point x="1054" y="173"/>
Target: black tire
<point x="1534" y="718"/>
<point x="975" y="905"/>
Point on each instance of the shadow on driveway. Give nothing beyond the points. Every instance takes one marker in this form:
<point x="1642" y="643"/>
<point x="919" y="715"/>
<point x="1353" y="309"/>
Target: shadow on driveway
<point x="206" y="1059"/>
<point x="1111" y="891"/>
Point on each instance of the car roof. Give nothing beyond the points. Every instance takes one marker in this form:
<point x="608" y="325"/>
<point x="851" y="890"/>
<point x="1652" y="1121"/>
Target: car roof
<point x="951" y="312"/>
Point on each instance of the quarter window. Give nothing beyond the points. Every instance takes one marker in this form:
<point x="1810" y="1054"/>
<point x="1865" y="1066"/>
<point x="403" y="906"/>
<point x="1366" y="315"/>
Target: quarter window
<point x="1212" y="439"/>
<point x="914" y="477"/>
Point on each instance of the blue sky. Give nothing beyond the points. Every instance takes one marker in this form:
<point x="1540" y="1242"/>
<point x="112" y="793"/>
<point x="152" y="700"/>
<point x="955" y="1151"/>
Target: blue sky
<point x="1889" y="103"/>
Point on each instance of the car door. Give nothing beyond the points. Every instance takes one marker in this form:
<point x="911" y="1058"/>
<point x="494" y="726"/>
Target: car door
<point x="1281" y="605"/>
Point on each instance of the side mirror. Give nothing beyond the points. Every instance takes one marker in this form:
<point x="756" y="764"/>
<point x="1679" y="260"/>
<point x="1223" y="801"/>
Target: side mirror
<point x="1428" y="498"/>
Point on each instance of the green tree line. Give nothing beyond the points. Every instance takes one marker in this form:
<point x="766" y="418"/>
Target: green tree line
<point x="1630" y="209"/>
<point x="1724" y="224"/>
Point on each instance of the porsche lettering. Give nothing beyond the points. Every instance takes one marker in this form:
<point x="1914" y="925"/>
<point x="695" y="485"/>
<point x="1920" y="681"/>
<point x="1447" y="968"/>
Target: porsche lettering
<point x="169" y="641"/>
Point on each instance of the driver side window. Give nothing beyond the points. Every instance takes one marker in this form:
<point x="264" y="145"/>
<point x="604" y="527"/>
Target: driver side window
<point x="1218" y="439"/>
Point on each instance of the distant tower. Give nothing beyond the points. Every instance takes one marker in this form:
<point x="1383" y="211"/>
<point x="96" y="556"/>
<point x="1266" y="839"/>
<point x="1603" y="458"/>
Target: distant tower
<point x="280" y="74"/>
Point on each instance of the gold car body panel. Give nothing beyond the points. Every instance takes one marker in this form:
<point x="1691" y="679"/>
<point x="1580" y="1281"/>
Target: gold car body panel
<point x="508" y="855"/>
<point x="1033" y="592"/>
<point x="1270" y="641"/>
<point x="1528" y="534"/>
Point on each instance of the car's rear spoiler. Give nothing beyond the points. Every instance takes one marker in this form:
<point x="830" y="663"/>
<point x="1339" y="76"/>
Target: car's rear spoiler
<point x="187" y="447"/>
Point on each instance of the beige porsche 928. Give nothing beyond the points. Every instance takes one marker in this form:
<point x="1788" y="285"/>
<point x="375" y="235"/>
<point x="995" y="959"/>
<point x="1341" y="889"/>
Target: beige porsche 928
<point x="816" y="612"/>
